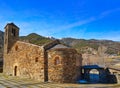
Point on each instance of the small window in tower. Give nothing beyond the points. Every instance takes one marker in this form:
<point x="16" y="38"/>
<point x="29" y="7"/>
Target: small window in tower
<point x="16" y="48"/>
<point x="36" y="59"/>
<point x="57" y="61"/>
<point x="13" y="32"/>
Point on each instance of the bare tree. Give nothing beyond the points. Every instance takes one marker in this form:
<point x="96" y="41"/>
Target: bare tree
<point x="101" y="55"/>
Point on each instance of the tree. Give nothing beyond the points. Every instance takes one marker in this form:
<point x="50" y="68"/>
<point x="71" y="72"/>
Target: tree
<point x="101" y="55"/>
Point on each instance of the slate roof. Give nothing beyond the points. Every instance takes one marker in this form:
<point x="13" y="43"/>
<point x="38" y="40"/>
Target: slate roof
<point x="54" y="45"/>
<point x="12" y="24"/>
<point x="59" y="46"/>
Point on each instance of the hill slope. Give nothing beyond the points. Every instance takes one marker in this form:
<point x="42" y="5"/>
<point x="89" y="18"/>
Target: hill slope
<point x="113" y="47"/>
<point x="79" y="44"/>
<point x="35" y="39"/>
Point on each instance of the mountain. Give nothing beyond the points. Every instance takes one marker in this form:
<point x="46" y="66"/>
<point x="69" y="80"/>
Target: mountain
<point x="113" y="47"/>
<point x="35" y="39"/>
<point x="81" y="45"/>
<point x="1" y="44"/>
<point x="100" y="52"/>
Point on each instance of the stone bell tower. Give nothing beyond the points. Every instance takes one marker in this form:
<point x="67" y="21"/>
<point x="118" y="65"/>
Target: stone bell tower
<point x="10" y="37"/>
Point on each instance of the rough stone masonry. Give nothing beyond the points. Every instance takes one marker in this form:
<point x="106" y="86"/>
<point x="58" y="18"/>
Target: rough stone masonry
<point x="53" y="62"/>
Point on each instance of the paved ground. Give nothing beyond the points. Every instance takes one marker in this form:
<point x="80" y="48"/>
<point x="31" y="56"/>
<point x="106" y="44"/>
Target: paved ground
<point x="12" y="82"/>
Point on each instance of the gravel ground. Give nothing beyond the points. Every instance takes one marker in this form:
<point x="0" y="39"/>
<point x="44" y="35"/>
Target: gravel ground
<point x="15" y="82"/>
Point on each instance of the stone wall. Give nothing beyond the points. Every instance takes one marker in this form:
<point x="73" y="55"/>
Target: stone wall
<point x="32" y="61"/>
<point x="105" y="75"/>
<point x="115" y="72"/>
<point x="25" y="60"/>
<point x="62" y="65"/>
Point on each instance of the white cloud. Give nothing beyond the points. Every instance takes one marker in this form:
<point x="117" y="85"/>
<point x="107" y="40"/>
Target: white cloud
<point x="105" y="13"/>
<point x="48" y="29"/>
<point x="82" y="22"/>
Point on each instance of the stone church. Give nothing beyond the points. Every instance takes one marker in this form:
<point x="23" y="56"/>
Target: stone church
<point x="52" y="62"/>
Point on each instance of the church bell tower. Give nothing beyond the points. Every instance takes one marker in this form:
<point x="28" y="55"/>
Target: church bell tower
<point x="11" y="35"/>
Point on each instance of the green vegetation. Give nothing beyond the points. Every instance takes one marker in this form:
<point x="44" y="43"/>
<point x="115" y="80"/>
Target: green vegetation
<point x="80" y="45"/>
<point x="35" y="39"/>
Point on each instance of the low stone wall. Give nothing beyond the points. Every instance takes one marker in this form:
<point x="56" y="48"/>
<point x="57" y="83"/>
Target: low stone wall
<point x="115" y="72"/>
<point x="25" y="60"/>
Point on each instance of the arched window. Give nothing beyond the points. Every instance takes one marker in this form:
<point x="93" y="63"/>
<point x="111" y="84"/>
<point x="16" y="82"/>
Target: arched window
<point x="57" y="61"/>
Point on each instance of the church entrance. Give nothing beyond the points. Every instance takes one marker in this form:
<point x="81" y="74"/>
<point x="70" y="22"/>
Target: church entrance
<point x="15" y="71"/>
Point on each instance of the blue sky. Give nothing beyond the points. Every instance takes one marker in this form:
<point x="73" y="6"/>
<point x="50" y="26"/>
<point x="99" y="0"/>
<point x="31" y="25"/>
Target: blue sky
<point x="88" y="19"/>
